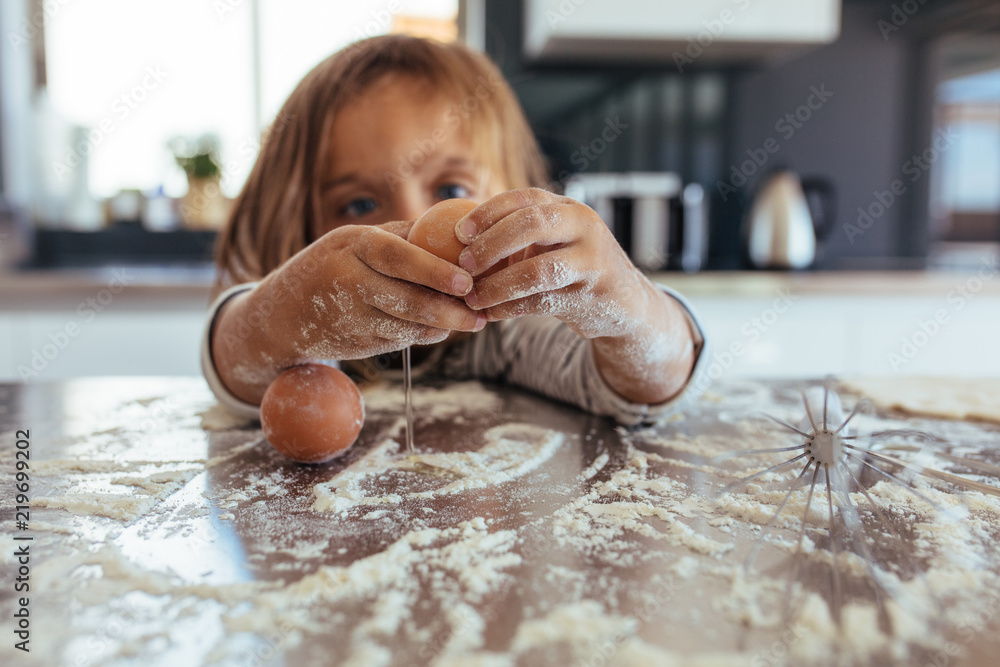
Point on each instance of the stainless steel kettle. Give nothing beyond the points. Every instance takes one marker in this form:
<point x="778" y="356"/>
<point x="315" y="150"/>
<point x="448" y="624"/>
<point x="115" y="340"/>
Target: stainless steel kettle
<point x="788" y="216"/>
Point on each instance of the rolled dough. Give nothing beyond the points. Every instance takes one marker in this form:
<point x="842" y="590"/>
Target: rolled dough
<point x="950" y="398"/>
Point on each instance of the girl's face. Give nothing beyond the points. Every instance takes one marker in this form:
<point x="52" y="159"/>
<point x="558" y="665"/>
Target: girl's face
<point x="396" y="151"/>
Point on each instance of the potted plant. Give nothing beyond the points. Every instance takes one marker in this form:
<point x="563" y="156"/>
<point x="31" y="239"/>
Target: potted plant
<point x="204" y="206"/>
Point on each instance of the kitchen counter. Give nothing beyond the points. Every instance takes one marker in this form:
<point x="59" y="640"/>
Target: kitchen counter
<point x="21" y="289"/>
<point x="841" y="283"/>
<point x="136" y="285"/>
<point x="520" y="532"/>
<point x="781" y="324"/>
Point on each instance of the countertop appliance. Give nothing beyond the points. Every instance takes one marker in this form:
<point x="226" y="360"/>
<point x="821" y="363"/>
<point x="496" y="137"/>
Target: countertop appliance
<point x="657" y="220"/>
<point x="788" y="216"/>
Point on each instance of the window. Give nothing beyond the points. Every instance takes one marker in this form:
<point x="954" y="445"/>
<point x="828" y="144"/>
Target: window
<point x="966" y="189"/>
<point x="125" y="77"/>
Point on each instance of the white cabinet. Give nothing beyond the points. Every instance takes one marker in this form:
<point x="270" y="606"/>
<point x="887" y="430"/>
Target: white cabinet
<point x="56" y="325"/>
<point x="6" y="347"/>
<point x="677" y="31"/>
<point x="882" y="335"/>
<point x="113" y="343"/>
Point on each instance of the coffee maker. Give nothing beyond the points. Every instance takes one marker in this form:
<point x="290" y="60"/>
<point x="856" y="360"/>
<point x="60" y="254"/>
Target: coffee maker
<point x="659" y="222"/>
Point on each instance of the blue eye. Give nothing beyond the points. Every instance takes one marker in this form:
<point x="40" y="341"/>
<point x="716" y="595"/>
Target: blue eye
<point x="453" y="191"/>
<point x="360" y="207"/>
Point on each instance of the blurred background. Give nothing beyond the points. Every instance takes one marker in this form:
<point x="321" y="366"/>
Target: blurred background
<point x="822" y="177"/>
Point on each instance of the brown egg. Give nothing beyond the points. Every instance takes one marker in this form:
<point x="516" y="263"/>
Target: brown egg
<point x="312" y="413"/>
<point x="434" y="231"/>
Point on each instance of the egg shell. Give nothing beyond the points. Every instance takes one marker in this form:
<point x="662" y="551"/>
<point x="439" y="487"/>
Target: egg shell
<point x="312" y="413"/>
<point x="434" y="231"/>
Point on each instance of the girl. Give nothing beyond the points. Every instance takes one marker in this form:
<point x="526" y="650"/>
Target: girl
<point x="317" y="266"/>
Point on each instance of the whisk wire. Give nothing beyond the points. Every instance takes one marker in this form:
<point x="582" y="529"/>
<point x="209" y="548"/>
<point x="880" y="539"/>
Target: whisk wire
<point x="767" y="528"/>
<point x="740" y="482"/>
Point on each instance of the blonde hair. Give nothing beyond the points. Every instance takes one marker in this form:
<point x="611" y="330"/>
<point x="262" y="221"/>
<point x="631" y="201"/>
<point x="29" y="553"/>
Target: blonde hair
<point x="277" y="214"/>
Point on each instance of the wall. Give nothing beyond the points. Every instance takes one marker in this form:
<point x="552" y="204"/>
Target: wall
<point x="856" y="138"/>
<point x="702" y="121"/>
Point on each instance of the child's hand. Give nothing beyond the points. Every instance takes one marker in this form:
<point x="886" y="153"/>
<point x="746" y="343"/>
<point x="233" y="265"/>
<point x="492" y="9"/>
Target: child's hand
<point x="375" y="293"/>
<point x="358" y="291"/>
<point x="393" y="293"/>
<point x="562" y="260"/>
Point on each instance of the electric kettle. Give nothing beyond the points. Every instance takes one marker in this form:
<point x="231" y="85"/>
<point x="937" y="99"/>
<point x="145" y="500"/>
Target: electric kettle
<point x="788" y="216"/>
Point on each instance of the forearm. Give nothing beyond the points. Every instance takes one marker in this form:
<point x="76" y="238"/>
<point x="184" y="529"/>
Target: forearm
<point x="268" y="329"/>
<point x="651" y="361"/>
<point x="246" y="355"/>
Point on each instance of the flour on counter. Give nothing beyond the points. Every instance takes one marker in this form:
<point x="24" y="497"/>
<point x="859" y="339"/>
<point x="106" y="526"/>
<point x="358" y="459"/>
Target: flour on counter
<point x="432" y="402"/>
<point x="631" y="502"/>
<point x="511" y="451"/>
<point x="218" y="418"/>
<point x="150" y="491"/>
<point x="594" y="467"/>
<point x="966" y="398"/>
<point x="615" y="555"/>
<point x="389" y="581"/>
<point x="584" y="626"/>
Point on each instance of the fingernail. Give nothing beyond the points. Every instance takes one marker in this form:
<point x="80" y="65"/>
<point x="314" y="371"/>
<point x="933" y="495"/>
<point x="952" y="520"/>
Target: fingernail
<point x="466" y="261"/>
<point x="480" y="322"/>
<point x="461" y="284"/>
<point x="466" y="231"/>
<point x="471" y="300"/>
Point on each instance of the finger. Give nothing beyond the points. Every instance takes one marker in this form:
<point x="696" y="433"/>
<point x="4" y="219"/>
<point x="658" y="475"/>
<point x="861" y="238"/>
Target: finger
<point x="547" y="303"/>
<point x="497" y="208"/>
<point x="399" y="333"/>
<point x="412" y="303"/>
<point x="543" y="273"/>
<point x="543" y="225"/>
<point x="394" y="257"/>
<point x="400" y="228"/>
<point x="389" y="328"/>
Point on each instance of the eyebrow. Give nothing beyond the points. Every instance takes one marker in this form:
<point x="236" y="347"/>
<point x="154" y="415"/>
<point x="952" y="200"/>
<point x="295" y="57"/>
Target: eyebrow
<point x="340" y="180"/>
<point x="460" y="162"/>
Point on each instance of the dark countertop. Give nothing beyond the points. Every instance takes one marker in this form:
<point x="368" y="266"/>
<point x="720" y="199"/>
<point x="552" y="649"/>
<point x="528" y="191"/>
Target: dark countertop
<point x="522" y="532"/>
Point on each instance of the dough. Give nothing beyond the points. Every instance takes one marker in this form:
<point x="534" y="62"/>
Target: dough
<point x="950" y="398"/>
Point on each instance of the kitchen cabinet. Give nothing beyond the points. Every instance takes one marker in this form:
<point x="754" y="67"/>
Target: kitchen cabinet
<point x="138" y="342"/>
<point x="62" y="324"/>
<point x="821" y="335"/>
<point x="865" y="323"/>
<point x="676" y="31"/>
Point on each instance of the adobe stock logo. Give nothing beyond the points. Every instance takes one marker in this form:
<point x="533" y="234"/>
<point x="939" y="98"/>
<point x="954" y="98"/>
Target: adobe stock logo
<point x="958" y="297"/>
<point x="901" y="13"/>
<point x="87" y="311"/>
<point x="786" y="126"/>
<point x="915" y="167"/>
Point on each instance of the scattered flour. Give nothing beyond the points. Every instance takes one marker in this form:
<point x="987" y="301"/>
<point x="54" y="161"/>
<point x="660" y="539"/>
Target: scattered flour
<point x="511" y="451"/>
<point x="436" y="582"/>
<point x="150" y="491"/>
<point x="435" y="403"/>
<point x="218" y="418"/>
<point x="951" y="398"/>
<point x="583" y="625"/>
<point x="597" y="521"/>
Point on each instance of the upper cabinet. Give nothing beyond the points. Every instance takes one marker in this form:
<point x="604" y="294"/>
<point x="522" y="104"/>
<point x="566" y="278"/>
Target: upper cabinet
<point x="681" y="32"/>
